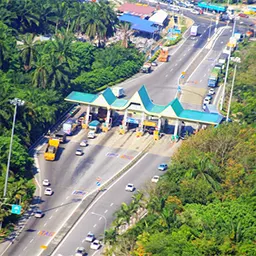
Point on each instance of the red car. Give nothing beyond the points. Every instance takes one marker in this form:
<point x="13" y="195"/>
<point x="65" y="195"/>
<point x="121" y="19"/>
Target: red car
<point x="243" y="15"/>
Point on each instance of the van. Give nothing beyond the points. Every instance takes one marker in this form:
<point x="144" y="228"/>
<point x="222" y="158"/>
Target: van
<point x="223" y="58"/>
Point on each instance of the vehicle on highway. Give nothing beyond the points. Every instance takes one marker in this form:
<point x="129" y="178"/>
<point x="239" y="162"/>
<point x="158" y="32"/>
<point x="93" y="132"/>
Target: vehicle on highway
<point x="204" y="107"/>
<point x="207" y="101"/>
<point x="95" y="245"/>
<point x="242" y="15"/>
<point x="176" y="9"/>
<point x="155" y="179"/>
<point x="118" y="91"/>
<point x="193" y="30"/>
<point x="129" y="187"/>
<point x="162" y="167"/>
<point x="90" y="237"/>
<point x="51" y="149"/>
<point x="214" y="77"/>
<point x="80" y="251"/>
<point x="154" y="64"/>
<point x="91" y="135"/>
<point x="38" y="214"/>
<point x="61" y="136"/>
<point x="48" y="192"/>
<point x="211" y="91"/>
<point x="195" y="12"/>
<point x="46" y="182"/>
<point x="79" y="152"/>
<point x="84" y="143"/>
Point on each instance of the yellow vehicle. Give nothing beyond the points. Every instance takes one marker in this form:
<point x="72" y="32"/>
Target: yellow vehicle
<point x="51" y="149"/>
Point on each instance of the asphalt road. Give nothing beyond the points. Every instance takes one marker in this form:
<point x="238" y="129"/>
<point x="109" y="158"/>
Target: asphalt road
<point x="70" y="173"/>
<point x="108" y="203"/>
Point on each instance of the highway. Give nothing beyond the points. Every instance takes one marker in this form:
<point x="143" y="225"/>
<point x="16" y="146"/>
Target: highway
<point x="108" y="203"/>
<point x="72" y="176"/>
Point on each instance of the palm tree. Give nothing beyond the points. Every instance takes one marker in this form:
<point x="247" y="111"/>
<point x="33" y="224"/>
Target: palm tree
<point x="6" y="110"/>
<point x="125" y="27"/>
<point x="60" y="11"/>
<point x="28" y="50"/>
<point x="77" y="15"/>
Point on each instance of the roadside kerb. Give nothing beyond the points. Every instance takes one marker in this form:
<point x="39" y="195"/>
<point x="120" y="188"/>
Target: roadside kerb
<point x="65" y="229"/>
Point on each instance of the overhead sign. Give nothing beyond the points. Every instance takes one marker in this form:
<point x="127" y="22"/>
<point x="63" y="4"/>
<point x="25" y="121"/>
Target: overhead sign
<point x="98" y="184"/>
<point x="132" y="120"/>
<point x="16" y="209"/>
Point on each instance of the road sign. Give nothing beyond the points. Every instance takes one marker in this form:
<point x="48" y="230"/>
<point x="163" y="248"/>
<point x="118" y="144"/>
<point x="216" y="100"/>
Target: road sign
<point x="43" y="247"/>
<point x="182" y="76"/>
<point x="98" y="184"/>
<point x="98" y="179"/>
<point x="16" y="209"/>
<point x="179" y="88"/>
<point x="183" y="73"/>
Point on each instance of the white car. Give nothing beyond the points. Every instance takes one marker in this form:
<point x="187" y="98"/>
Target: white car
<point x="211" y="91"/>
<point x="48" y="192"/>
<point x="79" y="152"/>
<point x="38" y="214"/>
<point x="84" y="143"/>
<point x="207" y="101"/>
<point x="155" y="179"/>
<point x="95" y="245"/>
<point x="80" y="251"/>
<point x="195" y="12"/>
<point x="90" y="237"/>
<point x="91" y="135"/>
<point x="129" y="187"/>
<point x="46" y="182"/>
<point x="176" y="9"/>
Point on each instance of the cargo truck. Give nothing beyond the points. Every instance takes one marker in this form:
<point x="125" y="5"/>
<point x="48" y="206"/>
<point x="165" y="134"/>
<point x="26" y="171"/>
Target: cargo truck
<point x="164" y="54"/>
<point x="51" y="149"/>
<point x="70" y="126"/>
<point x="213" y="78"/>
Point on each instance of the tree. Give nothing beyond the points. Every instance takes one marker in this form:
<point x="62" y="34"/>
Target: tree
<point x="28" y="50"/>
<point x="125" y="27"/>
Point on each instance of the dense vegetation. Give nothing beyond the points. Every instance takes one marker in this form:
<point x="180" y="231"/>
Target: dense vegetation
<point x="42" y="73"/>
<point x="205" y="203"/>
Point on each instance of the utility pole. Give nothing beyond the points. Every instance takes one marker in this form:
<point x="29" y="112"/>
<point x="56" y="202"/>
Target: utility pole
<point x="16" y="102"/>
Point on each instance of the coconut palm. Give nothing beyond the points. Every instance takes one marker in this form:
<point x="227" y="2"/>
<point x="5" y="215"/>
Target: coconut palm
<point x="125" y="28"/>
<point x="60" y="10"/>
<point x="40" y="74"/>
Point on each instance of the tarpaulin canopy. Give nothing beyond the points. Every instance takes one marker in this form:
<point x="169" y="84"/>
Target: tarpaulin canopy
<point x="138" y="23"/>
<point x="159" y="17"/>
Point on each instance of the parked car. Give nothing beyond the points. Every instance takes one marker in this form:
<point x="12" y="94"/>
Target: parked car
<point x="38" y="214"/>
<point x="80" y="251"/>
<point x="154" y="64"/>
<point x="91" y="135"/>
<point x="207" y="100"/>
<point x="84" y="143"/>
<point x="242" y="15"/>
<point x="90" y="237"/>
<point x="155" y="179"/>
<point x="46" y="182"/>
<point x="79" y="152"/>
<point x="48" y="192"/>
<point x="195" y="12"/>
<point x="95" y="245"/>
<point x="162" y="167"/>
<point x="129" y="187"/>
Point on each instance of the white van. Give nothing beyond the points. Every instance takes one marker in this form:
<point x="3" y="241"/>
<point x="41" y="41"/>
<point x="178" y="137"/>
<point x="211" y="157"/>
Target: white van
<point x="118" y="91"/>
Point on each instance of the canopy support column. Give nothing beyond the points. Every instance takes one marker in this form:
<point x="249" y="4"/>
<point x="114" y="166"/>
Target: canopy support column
<point x="87" y="115"/>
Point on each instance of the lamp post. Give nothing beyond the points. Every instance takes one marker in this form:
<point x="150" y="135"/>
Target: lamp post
<point x="226" y="74"/>
<point x="105" y="225"/>
<point x="236" y="60"/>
<point x="209" y="35"/>
<point x="16" y="102"/>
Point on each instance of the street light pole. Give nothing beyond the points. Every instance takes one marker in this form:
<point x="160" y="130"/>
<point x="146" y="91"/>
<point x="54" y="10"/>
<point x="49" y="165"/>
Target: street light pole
<point x="231" y="93"/>
<point x="209" y="35"/>
<point x="16" y="102"/>
<point x="105" y="225"/>
<point x="226" y="74"/>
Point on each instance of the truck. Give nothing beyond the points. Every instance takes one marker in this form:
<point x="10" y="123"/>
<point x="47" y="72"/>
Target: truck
<point x="61" y="136"/>
<point x="214" y="78"/>
<point x="146" y="68"/>
<point x="118" y="92"/>
<point x="164" y="54"/>
<point x="193" y="30"/>
<point x="51" y="149"/>
<point x="70" y="126"/>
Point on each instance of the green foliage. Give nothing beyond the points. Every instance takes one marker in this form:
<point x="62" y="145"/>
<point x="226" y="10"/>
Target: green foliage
<point x="173" y="42"/>
<point x="157" y="53"/>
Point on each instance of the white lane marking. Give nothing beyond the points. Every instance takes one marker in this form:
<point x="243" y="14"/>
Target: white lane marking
<point x="111" y="204"/>
<point x="25" y="248"/>
<point x="89" y="208"/>
<point x="201" y="81"/>
<point x="106" y="211"/>
<point x="83" y="241"/>
<point x="100" y="218"/>
<point x="94" y="225"/>
<point x="176" y="64"/>
<point x="56" y="210"/>
<point x="62" y="203"/>
<point x="31" y="240"/>
<point x="67" y="197"/>
<point x="204" y="75"/>
<point x="201" y="35"/>
<point x="171" y="70"/>
<point x="180" y="59"/>
<point x="166" y="75"/>
<point x="50" y="217"/>
<point x="221" y="42"/>
<point x="45" y="224"/>
<point x="184" y="54"/>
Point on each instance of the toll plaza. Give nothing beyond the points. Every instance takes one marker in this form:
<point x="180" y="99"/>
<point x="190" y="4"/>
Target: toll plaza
<point x="139" y="112"/>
